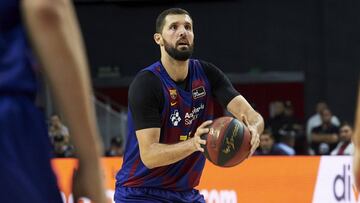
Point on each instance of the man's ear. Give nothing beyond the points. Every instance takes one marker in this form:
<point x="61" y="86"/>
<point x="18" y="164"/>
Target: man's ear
<point x="158" y="39"/>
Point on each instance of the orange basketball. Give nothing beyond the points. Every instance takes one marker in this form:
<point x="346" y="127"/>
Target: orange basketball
<point x="228" y="142"/>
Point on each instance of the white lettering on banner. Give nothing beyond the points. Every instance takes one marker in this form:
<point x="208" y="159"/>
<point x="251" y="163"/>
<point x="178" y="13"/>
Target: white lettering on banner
<point x="222" y="196"/>
<point x="110" y="195"/>
<point x="84" y="200"/>
<point x="335" y="181"/>
<point x="70" y="199"/>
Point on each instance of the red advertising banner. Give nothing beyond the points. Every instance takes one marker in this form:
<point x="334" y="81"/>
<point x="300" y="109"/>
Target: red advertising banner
<point x="257" y="180"/>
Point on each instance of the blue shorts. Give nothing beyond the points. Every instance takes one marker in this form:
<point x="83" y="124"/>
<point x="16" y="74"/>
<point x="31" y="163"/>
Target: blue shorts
<point x="155" y="195"/>
<point x="25" y="170"/>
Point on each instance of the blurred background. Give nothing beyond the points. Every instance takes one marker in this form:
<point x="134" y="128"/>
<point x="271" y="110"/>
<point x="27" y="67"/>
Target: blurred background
<point x="283" y="56"/>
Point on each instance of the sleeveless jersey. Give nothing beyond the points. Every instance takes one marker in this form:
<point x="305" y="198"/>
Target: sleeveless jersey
<point x="183" y="112"/>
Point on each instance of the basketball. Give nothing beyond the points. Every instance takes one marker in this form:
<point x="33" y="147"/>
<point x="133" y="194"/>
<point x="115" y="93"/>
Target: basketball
<point x="228" y="142"/>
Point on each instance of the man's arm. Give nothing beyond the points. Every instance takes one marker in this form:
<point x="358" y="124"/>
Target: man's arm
<point x="243" y="111"/>
<point x="236" y="104"/>
<point x="327" y="138"/>
<point x="154" y="154"/>
<point x="55" y="36"/>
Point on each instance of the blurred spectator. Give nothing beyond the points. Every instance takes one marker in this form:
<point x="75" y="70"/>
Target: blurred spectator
<point x="291" y="122"/>
<point x="293" y="130"/>
<point x="325" y="136"/>
<point x="268" y="146"/>
<point x="345" y="146"/>
<point x="115" y="148"/>
<point x="315" y="120"/>
<point x="63" y="149"/>
<point x="278" y="119"/>
<point x="284" y="125"/>
<point x="59" y="136"/>
<point x="58" y="132"/>
<point x="287" y="143"/>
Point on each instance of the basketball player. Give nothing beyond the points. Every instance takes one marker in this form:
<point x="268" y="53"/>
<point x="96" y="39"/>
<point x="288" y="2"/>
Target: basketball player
<point x="25" y="169"/>
<point x="356" y="140"/>
<point x="170" y="106"/>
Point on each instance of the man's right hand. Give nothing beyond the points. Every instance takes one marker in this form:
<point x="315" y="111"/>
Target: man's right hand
<point x="202" y="129"/>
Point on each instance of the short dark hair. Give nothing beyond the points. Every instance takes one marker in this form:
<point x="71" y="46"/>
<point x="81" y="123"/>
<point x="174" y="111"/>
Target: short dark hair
<point x="268" y="131"/>
<point x="324" y="110"/>
<point x="346" y="123"/>
<point x="160" y="20"/>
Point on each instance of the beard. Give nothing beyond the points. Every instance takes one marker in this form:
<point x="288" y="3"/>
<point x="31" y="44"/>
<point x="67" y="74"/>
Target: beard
<point x="181" y="55"/>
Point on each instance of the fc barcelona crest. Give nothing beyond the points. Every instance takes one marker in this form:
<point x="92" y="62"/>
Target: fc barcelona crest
<point x="173" y="93"/>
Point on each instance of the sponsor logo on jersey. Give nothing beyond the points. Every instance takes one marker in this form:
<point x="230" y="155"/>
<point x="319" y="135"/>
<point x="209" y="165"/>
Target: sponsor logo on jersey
<point x="193" y="115"/>
<point x="198" y="92"/>
<point x="185" y="137"/>
<point x="175" y="118"/>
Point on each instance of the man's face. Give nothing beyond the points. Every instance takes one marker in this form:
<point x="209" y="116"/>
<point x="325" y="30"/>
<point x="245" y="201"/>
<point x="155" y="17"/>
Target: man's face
<point x="178" y="36"/>
<point x="345" y="133"/>
<point x="326" y="116"/>
<point x="266" y="142"/>
<point x="55" y="120"/>
<point x="321" y="106"/>
<point x="279" y="108"/>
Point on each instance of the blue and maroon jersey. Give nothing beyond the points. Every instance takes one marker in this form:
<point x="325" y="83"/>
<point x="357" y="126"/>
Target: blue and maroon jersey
<point x="17" y="73"/>
<point x="183" y="112"/>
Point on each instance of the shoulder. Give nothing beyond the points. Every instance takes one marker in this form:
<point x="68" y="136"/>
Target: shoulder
<point x="145" y="75"/>
<point x="207" y="66"/>
<point x="313" y="118"/>
<point x="277" y="150"/>
<point x="285" y="149"/>
<point x="351" y="147"/>
<point x="145" y="88"/>
<point x="145" y="79"/>
<point x="214" y="74"/>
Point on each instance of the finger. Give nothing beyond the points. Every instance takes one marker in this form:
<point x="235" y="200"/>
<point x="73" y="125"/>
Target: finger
<point x="253" y="137"/>
<point x="201" y="131"/>
<point x="252" y="151"/>
<point x="245" y="120"/>
<point x="206" y="123"/>
<point x="203" y="142"/>
<point x="252" y="141"/>
<point x="254" y="147"/>
<point x="256" y="141"/>
<point x="250" y="154"/>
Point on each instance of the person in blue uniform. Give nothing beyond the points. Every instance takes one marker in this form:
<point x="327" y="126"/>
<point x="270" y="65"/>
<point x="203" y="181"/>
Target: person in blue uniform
<point x="170" y="106"/>
<point x="25" y="169"/>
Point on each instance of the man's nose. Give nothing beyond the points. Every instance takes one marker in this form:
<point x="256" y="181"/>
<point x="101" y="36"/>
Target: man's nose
<point x="182" y="31"/>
